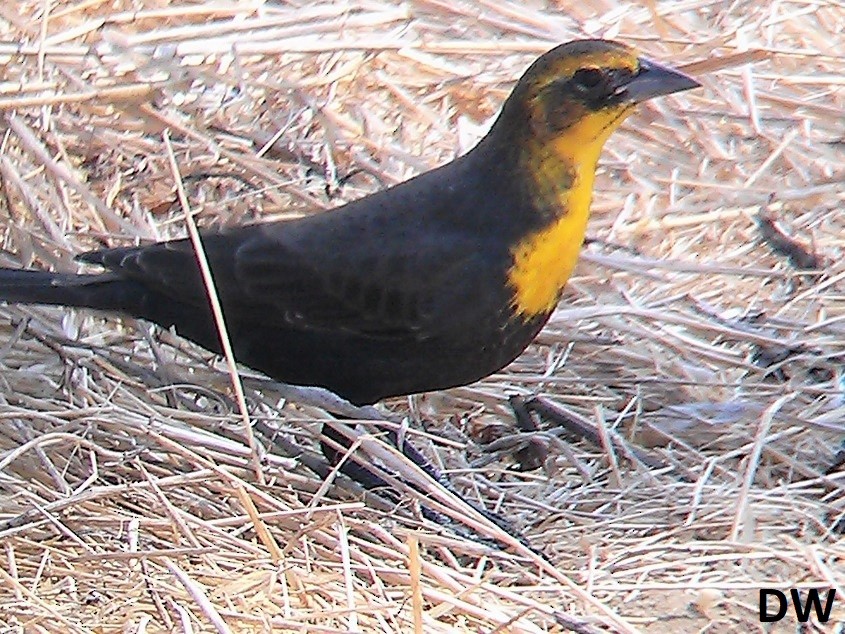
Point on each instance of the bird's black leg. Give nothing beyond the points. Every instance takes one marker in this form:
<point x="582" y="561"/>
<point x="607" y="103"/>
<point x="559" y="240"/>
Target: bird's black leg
<point x="332" y="439"/>
<point x="534" y="453"/>
<point x="583" y="430"/>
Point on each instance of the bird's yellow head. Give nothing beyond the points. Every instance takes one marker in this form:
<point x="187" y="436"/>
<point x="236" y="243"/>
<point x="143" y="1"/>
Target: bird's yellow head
<point x="557" y="119"/>
<point x="573" y="97"/>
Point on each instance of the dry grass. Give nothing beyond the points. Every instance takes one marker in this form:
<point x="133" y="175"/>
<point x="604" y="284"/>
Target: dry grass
<point x="128" y="494"/>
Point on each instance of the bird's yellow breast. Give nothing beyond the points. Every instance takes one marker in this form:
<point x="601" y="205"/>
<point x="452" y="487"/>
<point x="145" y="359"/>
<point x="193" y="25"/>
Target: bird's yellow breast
<point x="564" y="171"/>
<point x="544" y="261"/>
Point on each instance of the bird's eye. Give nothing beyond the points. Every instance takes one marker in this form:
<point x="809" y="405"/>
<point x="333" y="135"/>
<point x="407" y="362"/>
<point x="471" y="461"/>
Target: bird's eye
<point x="588" y="79"/>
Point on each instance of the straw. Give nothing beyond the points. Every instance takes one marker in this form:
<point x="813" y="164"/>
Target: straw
<point x="128" y="493"/>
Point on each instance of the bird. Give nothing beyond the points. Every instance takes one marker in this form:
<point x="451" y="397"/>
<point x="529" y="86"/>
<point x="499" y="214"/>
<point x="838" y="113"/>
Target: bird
<point x="435" y="282"/>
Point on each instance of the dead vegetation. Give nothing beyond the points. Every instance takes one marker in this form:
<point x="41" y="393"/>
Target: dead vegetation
<point x="709" y="365"/>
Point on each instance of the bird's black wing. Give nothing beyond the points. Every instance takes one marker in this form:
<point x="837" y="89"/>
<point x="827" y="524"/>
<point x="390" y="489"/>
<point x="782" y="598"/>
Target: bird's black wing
<point x="331" y="274"/>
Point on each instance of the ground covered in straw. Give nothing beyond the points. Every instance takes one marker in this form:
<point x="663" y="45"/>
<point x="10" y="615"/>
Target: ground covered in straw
<point x="694" y="340"/>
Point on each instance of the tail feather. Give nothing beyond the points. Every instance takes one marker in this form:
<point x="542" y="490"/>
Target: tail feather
<point x="103" y="292"/>
<point x="109" y="292"/>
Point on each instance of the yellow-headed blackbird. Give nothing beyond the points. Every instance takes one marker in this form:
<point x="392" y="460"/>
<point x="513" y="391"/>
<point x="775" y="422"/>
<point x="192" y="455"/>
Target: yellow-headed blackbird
<point x="436" y="282"/>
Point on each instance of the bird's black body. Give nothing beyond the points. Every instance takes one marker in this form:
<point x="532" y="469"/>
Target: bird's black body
<point x="406" y="290"/>
<point x="388" y="295"/>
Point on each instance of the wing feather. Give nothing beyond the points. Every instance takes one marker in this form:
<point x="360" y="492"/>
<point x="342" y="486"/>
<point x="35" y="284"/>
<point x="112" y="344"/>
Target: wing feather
<point x="306" y="275"/>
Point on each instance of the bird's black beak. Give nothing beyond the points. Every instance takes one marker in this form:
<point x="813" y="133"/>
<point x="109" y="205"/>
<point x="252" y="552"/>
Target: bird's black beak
<point x="655" y="80"/>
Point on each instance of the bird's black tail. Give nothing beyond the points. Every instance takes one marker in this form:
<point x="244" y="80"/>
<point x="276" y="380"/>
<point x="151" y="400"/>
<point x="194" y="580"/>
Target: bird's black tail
<point x="103" y="292"/>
